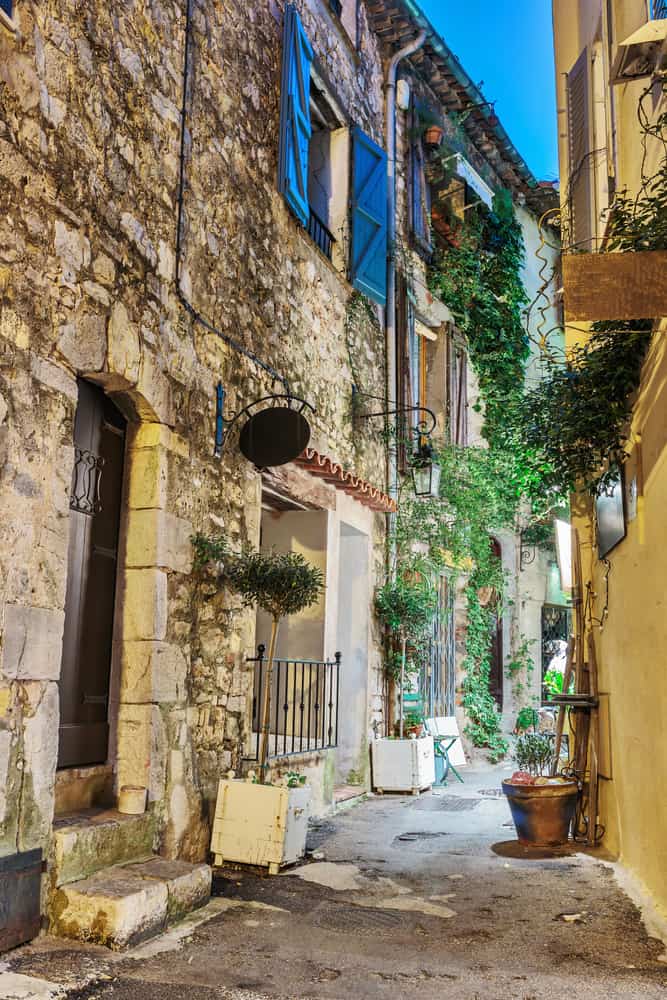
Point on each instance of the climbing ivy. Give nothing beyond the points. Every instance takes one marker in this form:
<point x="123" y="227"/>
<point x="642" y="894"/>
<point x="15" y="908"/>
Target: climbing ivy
<point x="479" y="277"/>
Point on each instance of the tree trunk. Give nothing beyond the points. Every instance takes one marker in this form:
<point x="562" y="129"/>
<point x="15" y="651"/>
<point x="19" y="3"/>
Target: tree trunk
<point x="266" y="703"/>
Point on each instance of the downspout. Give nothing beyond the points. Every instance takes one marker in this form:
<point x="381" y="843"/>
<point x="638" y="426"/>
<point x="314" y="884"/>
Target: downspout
<point x="390" y="318"/>
<point x="390" y="312"/>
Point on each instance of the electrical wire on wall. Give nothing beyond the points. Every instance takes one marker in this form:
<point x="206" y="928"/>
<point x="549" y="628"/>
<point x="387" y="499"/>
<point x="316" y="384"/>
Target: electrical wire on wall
<point x="235" y="345"/>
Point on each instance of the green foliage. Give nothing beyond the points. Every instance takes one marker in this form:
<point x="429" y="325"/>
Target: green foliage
<point x="483" y="727"/>
<point x="479" y="278"/>
<point x="527" y="718"/>
<point x="520" y="668"/>
<point x="281" y="583"/>
<point x="534" y="752"/>
<point x="574" y="425"/>
<point x="575" y="422"/>
<point x="412" y="720"/>
<point x="553" y="683"/>
<point x="209" y="550"/>
<point x="407" y="605"/>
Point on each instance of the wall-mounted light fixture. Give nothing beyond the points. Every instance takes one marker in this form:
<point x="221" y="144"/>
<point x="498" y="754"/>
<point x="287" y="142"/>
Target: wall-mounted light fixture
<point x="275" y="435"/>
<point x="425" y="470"/>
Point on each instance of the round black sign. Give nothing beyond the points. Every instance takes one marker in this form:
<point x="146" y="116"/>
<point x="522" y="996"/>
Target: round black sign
<point x="274" y="436"/>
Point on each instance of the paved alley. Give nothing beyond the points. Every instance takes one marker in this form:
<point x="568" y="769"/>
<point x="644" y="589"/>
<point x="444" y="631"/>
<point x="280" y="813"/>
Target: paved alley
<point x="423" y="897"/>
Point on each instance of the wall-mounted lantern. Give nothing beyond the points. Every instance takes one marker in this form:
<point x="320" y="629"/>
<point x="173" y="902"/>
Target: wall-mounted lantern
<point x="275" y="435"/>
<point x="425" y="470"/>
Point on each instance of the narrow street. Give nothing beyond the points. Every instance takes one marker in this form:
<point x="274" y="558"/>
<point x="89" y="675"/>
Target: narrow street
<point x="402" y="897"/>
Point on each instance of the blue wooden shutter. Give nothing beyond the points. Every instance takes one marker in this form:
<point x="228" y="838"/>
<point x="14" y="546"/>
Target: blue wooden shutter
<point x="295" y="127"/>
<point x="368" y="257"/>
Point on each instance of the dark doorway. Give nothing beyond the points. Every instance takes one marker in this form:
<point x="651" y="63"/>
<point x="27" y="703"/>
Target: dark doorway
<point x="496" y="649"/>
<point x="95" y="502"/>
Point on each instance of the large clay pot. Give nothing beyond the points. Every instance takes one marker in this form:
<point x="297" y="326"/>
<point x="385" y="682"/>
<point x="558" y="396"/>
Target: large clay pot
<point x="542" y="814"/>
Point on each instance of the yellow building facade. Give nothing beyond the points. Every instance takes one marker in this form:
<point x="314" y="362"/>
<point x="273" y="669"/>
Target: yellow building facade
<point x="605" y="89"/>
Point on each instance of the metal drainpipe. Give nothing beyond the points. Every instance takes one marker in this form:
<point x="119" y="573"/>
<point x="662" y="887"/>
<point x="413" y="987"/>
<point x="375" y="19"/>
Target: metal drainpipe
<point x="390" y="312"/>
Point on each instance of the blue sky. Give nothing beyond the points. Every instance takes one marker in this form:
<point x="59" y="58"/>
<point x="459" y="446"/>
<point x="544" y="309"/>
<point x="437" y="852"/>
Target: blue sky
<point x="508" y="44"/>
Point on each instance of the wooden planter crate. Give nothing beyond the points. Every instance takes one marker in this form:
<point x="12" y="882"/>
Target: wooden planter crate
<point x="263" y="825"/>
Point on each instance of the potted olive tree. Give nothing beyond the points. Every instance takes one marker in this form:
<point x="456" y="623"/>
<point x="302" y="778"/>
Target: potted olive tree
<point x="406" y="605"/>
<point x="256" y="822"/>
<point x="542" y="806"/>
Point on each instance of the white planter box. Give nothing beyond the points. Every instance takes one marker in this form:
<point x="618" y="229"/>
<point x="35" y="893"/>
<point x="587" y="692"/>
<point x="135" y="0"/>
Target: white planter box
<point x="264" y="825"/>
<point x="403" y="765"/>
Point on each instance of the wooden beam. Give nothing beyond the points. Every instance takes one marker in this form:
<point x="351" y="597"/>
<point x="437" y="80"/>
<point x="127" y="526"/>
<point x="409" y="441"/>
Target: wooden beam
<point x="603" y="286"/>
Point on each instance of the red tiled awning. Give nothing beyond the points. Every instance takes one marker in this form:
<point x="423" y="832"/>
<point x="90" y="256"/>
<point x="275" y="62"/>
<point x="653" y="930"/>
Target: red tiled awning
<point x="332" y="472"/>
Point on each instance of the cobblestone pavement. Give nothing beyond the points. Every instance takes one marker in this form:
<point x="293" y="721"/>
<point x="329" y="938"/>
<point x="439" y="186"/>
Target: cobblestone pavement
<point x="423" y="897"/>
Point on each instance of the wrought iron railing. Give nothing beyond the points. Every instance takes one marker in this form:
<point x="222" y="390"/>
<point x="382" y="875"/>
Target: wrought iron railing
<point x="304" y="705"/>
<point x="659" y="9"/>
<point x="319" y="233"/>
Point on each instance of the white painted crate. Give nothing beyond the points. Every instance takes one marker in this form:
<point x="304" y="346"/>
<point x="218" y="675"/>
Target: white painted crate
<point x="403" y="765"/>
<point x="263" y="825"/>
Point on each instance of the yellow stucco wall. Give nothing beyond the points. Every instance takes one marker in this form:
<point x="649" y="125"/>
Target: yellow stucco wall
<point x="632" y="646"/>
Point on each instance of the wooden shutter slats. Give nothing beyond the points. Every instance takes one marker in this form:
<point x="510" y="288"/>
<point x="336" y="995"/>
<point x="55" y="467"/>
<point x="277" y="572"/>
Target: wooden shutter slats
<point x="368" y="257"/>
<point x="295" y="127"/>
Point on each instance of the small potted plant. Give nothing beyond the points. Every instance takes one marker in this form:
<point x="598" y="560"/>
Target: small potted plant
<point x="431" y="128"/>
<point x="542" y="804"/>
<point x="413" y="724"/>
<point x="257" y="822"/>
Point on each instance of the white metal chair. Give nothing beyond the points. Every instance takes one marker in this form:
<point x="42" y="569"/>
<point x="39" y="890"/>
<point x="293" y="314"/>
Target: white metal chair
<point x="447" y="744"/>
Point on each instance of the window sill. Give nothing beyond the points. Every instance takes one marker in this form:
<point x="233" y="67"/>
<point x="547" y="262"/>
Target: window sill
<point x="10" y="24"/>
<point x="322" y="257"/>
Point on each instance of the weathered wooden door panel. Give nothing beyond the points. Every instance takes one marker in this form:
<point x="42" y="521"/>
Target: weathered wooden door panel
<point x="99" y="439"/>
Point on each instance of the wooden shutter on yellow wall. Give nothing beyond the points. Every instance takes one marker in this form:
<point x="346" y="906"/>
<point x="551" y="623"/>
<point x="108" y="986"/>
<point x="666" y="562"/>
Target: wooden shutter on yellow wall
<point x="579" y="190"/>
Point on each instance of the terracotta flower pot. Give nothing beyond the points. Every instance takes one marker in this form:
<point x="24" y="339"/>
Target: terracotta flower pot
<point x="433" y="135"/>
<point x="542" y="814"/>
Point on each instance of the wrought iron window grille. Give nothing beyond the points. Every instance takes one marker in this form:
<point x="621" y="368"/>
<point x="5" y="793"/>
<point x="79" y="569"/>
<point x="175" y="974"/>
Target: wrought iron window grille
<point x="320" y="235"/>
<point x="86" y="478"/>
<point x="303" y="705"/>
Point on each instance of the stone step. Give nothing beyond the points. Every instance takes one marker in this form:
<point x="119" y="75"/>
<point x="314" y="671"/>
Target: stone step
<point x="91" y="840"/>
<point x="124" y="905"/>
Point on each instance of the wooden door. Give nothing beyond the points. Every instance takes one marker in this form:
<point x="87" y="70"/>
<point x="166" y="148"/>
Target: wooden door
<point x="95" y="502"/>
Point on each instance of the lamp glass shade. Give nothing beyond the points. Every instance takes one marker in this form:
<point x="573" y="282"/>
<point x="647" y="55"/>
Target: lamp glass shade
<point x="426" y="479"/>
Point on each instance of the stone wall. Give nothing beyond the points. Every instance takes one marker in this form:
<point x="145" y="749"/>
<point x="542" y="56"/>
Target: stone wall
<point x="90" y="98"/>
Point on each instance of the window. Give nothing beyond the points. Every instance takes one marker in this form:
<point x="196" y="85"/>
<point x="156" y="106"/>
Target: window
<point x="313" y="170"/>
<point x="6" y="7"/>
<point x="346" y="11"/>
<point x="328" y="156"/>
<point x="458" y="393"/>
<point x="420" y="196"/>
<point x="658" y="9"/>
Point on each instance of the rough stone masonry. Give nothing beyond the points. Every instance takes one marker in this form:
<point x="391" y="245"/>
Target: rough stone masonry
<point x="90" y="159"/>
